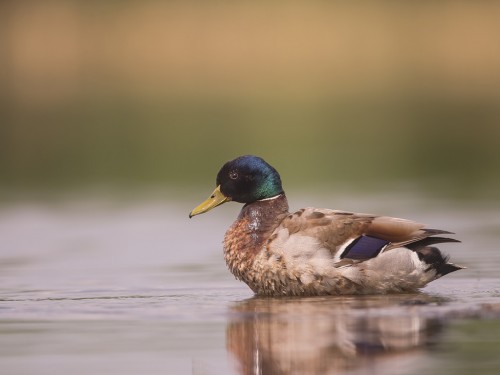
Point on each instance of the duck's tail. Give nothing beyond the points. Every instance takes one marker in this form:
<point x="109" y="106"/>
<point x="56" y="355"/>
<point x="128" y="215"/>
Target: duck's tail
<point x="433" y="256"/>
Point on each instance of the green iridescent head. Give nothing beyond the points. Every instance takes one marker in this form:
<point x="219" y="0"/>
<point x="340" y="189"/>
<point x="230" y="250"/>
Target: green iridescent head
<point x="245" y="179"/>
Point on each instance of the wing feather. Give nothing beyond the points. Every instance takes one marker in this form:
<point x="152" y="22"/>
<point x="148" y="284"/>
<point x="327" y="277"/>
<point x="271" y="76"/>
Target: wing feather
<point x="331" y="229"/>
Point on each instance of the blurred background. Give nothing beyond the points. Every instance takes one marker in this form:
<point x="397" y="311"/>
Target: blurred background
<point x="115" y="117"/>
<point x="141" y="95"/>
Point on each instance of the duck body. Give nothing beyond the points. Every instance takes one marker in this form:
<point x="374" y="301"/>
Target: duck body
<point x="317" y="251"/>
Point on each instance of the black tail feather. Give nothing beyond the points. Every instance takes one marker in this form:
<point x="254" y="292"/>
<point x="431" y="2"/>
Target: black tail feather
<point x="435" y="259"/>
<point x="415" y="246"/>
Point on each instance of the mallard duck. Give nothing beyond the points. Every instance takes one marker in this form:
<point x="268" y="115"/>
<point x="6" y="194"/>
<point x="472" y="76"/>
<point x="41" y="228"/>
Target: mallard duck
<point x="317" y="251"/>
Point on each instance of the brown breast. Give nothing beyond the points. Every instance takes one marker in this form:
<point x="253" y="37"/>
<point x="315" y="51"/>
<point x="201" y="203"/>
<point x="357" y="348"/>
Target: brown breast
<point x="246" y="237"/>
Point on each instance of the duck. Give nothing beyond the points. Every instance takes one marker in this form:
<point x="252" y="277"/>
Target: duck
<point x="318" y="251"/>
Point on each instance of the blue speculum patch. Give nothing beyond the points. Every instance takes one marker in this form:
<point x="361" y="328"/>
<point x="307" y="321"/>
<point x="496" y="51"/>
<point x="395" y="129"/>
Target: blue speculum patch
<point x="364" y="247"/>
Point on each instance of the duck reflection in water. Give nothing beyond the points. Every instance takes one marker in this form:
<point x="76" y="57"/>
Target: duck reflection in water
<point x="328" y="335"/>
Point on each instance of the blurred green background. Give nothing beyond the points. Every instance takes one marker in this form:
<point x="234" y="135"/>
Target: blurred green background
<point x="359" y="95"/>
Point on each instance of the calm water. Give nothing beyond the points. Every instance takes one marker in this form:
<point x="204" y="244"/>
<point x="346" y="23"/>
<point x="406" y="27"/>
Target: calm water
<point x="104" y="287"/>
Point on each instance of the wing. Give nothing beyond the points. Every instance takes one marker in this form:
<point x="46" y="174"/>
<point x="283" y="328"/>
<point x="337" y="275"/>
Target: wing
<point x="349" y="237"/>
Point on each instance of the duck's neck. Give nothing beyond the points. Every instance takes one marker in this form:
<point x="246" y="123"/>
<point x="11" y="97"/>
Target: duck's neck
<point x="262" y="217"/>
<point x="248" y="233"/>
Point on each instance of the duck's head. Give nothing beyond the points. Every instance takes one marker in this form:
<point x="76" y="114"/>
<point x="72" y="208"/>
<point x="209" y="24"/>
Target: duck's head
<point x="245" y="179"/>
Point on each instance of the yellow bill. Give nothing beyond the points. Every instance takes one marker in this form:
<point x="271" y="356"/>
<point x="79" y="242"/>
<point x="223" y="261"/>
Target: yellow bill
<point x="216" y="199"/>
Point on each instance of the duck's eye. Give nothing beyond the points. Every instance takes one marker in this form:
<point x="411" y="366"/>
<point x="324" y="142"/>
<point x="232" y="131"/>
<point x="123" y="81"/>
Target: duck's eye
<point x="233" y="175"/>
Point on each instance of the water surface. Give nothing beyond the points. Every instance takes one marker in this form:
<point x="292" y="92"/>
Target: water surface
<point x="103" y="287"/>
